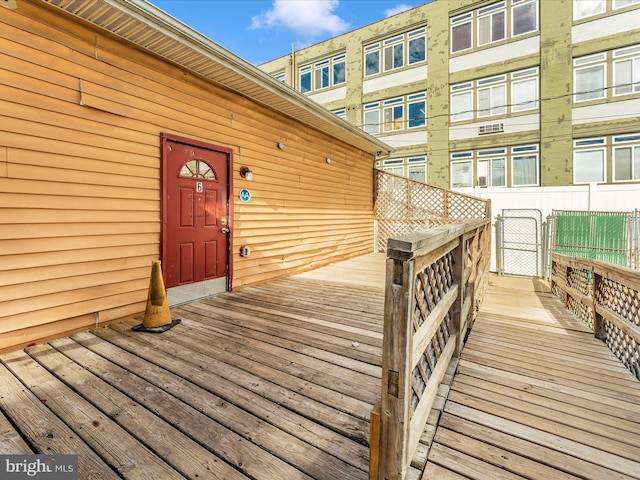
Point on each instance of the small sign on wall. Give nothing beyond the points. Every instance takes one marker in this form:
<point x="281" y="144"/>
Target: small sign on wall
<point x="245" y="195"/>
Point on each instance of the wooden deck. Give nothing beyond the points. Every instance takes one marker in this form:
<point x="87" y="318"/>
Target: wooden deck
<point x="277" y="382"/>
<point x="536" y="396"/>
<point x="270" y="382"/>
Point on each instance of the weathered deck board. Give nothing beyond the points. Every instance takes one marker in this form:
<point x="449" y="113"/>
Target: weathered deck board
<point x="278" y="381"/>
<point x="271" y="382"/>
<point x="536" y="396"/>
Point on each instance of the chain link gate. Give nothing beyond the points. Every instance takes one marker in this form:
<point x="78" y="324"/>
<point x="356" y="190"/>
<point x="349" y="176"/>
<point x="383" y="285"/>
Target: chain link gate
<point x="518" y="242"/>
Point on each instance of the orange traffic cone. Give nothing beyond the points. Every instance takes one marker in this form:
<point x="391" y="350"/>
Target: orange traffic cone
<point x="157" y="318"/>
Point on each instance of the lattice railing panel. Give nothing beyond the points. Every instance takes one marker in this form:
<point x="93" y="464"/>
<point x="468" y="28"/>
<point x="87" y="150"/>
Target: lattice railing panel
<point x="430" y="286"/>
<point x="581" y="311"/>
<point x="584" y="285"/>
<point x="625" y="302"/>
<point x="580" y="279"/>
<point x="425" y="303"/>
<point x="404" y="206"/>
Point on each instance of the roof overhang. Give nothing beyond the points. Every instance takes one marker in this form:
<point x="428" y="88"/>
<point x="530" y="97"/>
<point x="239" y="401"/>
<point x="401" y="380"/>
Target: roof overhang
<point x="143" y="24"/>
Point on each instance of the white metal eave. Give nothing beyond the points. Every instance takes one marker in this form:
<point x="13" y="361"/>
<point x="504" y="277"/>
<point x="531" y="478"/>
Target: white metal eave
<point x="145" y="25"/>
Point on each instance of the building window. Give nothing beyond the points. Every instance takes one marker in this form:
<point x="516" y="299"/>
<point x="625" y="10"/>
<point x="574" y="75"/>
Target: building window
<point x="417" y="168"/>
<point x="417" y="107"/>
<point x="497" y="167"/>
<point x="589" y="161"/>
<point x="497" y="95"/>
<point x="323" y="74"/>
<point x="342" y="113"/>
<point x="589" y="8"/>
<point x="461" y="32"/>
<point x="624" y="3"/>
<point x="492" y="168"/>
<point x="525" y="17"/>
<point x="372" y="118"/>
<point x="372" y="60"/>
<point x="393" y="52"/>
<point x="524" y="90"/>
<point x="305" y="79"/>
<point x="417" y="46"/>
<point x="626" y="158"/>
<point x="626" y="70"/>
<point x="492" y="96"/>
<point x="281" y="77"/>
<point x="524" y="166"/>
<point x="339" y="69"/>
<point x="592" y="82"/>
<point x="461" y="102"/>
<point x="414" y="168"/>
<point x="462" y="174"/>
<point x="394" y="113"/>
<point x="493" y="25"/>
<point x="394" y="165"/>
<point x="589" y="75"/>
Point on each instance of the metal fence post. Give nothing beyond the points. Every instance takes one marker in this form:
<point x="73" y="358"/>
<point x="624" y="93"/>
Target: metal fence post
<point x="499" y="246"/>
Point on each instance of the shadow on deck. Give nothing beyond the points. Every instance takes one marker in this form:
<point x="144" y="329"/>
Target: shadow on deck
<point x="277" y="382"/>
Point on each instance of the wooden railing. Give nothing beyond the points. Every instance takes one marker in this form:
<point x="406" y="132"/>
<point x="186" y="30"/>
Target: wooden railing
<point x="403" y="206"/>
<point x="435" y="281"/>
<point x="606" y="298"/>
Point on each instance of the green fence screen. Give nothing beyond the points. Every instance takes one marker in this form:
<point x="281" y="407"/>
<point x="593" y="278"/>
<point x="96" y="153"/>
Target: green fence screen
<point x="593" y="235"/>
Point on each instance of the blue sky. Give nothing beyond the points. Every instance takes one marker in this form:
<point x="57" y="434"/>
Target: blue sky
<point x="261" y="30"/>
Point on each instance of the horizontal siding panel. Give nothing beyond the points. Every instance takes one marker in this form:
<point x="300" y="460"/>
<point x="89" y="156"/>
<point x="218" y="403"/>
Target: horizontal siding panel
<point x="58" y="245"/>
<point x="21" y="231"/>
<point x="123" y="312"/>
<point x="77" y="190"/>
<point x="39" y="127"/>
<point x="268" y="271"/>
<point x="25" y="336"/>
<point x="37" y="116"/>
<point x="30" y="215"/>
<point x="79" y="297"/>
<point x="35" y="172"/>
<point x="9" y="278"/>
<point x="34" y="260"/>
<point x="58" y="285"/>
<point x="29" y="142"/>
<point x="58" y="202"/>
<point x="34" y="318"/>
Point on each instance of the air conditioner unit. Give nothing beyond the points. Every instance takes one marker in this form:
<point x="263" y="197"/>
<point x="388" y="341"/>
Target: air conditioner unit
<point x="491" y="128"/>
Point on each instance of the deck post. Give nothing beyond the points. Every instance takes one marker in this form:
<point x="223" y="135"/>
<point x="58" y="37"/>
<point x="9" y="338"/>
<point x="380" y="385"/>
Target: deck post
<point x="395" y="407"/>
<point x="457" y="309"/>
<point x="598" y="321"/>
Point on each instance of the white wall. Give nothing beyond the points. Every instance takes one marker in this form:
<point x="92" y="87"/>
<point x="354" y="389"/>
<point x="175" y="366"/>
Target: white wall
<point x="593" y="197"/>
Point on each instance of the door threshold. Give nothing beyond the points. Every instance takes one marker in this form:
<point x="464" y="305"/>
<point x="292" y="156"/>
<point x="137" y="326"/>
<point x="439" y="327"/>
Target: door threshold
<point x="195" y="291"/>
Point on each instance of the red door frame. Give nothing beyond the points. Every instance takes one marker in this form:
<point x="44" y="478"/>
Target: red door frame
<point x="165" y="138"/>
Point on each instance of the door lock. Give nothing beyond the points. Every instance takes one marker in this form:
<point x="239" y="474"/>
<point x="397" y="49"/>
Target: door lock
<point x="225" y="230"/>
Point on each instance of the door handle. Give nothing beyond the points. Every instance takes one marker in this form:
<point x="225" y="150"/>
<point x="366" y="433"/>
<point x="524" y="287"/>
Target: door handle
<point x="225" y="230"/>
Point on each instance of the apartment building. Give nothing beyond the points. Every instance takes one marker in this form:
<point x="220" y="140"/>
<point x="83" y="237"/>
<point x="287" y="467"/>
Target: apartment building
<point x="506" y="94"/>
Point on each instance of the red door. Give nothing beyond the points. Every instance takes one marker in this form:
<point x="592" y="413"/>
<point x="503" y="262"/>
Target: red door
<point x="195" y="212"/>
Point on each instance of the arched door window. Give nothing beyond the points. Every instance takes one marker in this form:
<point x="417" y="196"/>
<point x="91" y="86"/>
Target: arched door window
<point x="197" y="169"/>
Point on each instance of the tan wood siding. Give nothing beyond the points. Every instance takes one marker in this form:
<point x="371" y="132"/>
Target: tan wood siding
<point x="81" y="116"/>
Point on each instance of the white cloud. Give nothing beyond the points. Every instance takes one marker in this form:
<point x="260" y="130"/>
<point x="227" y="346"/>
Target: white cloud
<point x="308" y="18"/>
<point x="403" y="7"/>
